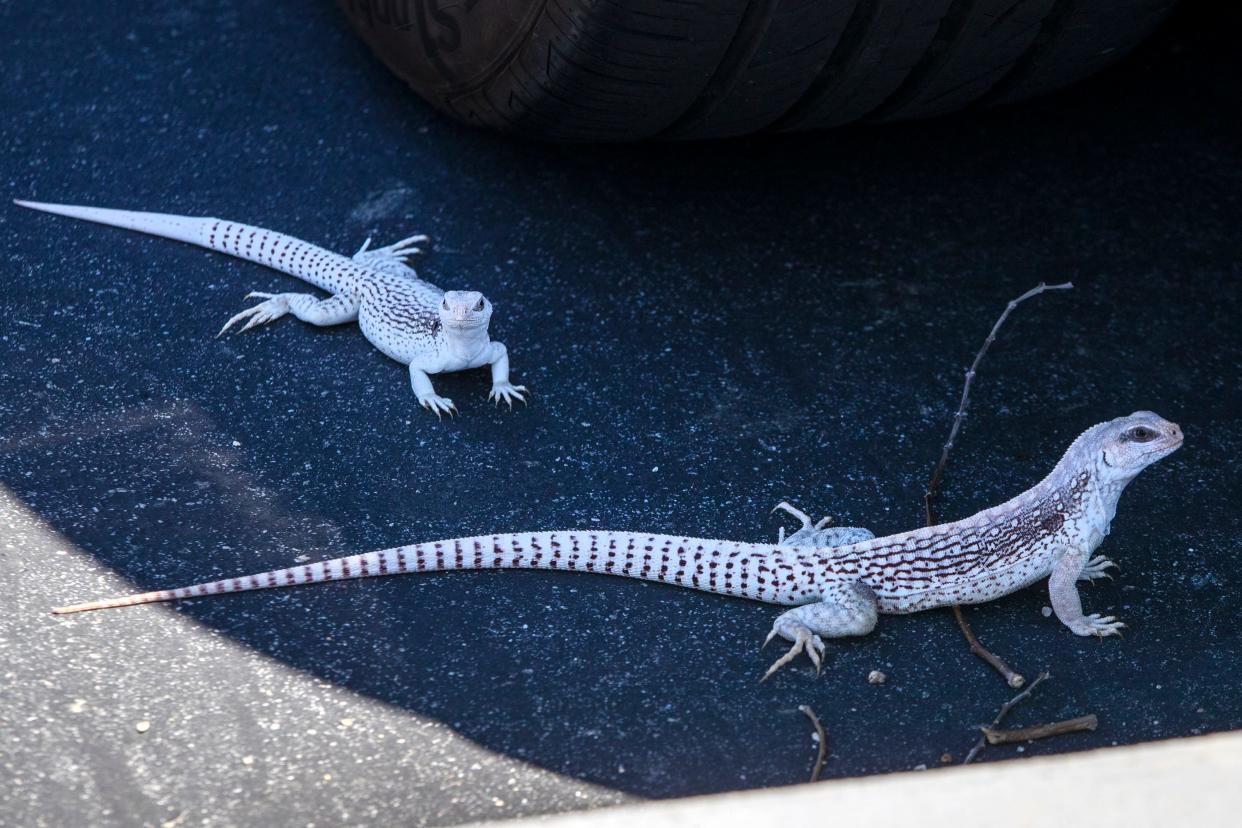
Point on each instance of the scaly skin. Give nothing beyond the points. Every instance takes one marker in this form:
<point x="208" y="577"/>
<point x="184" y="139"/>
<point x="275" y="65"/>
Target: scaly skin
<point x="837" y="579"/>
<point x="410" y="320"/>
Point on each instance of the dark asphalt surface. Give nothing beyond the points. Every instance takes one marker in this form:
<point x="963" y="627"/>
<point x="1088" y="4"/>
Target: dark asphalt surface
<point x="707" y="330"/>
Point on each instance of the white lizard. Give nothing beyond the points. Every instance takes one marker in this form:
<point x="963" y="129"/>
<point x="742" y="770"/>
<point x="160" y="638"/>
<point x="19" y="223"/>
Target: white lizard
<point x="838" y="580"/>
<point x="410" y="320"/>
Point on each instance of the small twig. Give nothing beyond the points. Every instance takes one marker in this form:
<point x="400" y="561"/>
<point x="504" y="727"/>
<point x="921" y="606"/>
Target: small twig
<point x="1041" y="731"/>
<point x="1011" y="676"/>
<point x="1000" y="717"/>
<point x="934" y="485"/>
<point x="823" y="740"/>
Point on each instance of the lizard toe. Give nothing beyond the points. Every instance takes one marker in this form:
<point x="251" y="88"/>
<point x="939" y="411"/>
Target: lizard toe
<point x="804" y="639"/>
<point x="801" y="516"/>
<point x="508" y="393"/>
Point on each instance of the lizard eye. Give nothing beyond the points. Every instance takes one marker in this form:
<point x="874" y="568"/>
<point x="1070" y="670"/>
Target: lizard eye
<point x="1141" y="434"/>
<point x="444" y="304"/>
<point x="479" y="306"/>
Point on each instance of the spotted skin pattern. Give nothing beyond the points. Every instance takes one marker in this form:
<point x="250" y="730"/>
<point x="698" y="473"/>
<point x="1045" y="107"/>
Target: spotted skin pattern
<point x="838" y="580"/>
<point x="410" y="320"/>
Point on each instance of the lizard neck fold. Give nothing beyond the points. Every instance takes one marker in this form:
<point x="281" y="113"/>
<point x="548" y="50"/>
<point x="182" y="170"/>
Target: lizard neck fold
<point x="1105" y="481"/>
<point x="466" y="344"/>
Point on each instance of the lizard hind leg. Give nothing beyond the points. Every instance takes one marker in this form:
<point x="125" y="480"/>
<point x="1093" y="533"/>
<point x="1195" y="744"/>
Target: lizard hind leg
<point x="335" y="310"/>
<point x="844" y="609"/>
<point x="819" y="533"/>
<point x="1097" y="567"/>
<point x="802" y="517"/>
<point x="391" y="258"/>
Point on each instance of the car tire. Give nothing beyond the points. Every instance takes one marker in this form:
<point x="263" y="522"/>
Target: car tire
<point x="624" y="70"/>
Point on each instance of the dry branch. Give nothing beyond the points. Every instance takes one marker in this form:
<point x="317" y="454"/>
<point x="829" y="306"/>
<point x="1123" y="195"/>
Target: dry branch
<point x="823" y="740"/>
<point x="1000" y="717"/>
<point x="1040" y="731"/>
<point x="1011" y="676"/>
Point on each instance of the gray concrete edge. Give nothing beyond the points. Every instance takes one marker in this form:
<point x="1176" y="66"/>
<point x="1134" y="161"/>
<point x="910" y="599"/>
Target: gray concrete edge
<point x="1196" y="780"/>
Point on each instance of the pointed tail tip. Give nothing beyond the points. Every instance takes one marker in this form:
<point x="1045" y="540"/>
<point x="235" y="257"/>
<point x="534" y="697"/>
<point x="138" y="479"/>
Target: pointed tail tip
<point x="41" y="206"/>
<point x="35" y="205"/>
<point x="90" y="605"/>
<point x="115" y="603"/>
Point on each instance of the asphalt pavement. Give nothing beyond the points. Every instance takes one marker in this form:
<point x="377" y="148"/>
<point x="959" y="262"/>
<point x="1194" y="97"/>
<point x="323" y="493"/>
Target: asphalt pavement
<point x="707" y="329"/>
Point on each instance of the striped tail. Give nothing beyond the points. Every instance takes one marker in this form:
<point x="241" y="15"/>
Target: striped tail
<point x="383" y="562"/>
<point x="310" y="263"/>
<point x="759" y="571"/>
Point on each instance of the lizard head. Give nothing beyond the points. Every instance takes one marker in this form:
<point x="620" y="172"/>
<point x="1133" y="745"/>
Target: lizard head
<point x="465" y="310"/>
<point x="1127" y="445"/>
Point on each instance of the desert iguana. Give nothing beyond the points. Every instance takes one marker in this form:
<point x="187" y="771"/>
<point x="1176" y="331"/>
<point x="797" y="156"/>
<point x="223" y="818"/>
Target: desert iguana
<point x="838" y="580"/>
<point x="410" y="320"/>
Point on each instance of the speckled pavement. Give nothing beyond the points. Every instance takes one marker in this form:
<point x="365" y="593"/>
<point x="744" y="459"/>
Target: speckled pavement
<point x="706" y="329"/>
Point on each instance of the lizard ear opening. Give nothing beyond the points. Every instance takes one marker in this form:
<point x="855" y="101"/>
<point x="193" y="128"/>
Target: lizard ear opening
<point x="444" y="304"/>
<point x="479" y="306"/>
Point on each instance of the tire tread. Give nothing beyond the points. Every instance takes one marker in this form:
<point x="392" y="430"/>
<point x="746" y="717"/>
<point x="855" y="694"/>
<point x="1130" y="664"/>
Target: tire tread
<point x="623" y="70"/>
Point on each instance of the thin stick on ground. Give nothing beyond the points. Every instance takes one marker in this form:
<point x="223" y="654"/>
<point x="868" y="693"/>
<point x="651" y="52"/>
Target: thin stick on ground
<point x="823" y="740"/>
<point x="1040" y="731"/>
<point x="1000" y="717"/>
<point x="1011" y="676"/>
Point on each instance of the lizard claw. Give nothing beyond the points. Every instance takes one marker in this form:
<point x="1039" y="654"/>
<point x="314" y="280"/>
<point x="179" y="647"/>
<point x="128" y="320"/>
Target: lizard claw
<point x="406" y="247"/>
<point x="397" y="251"/>
<point x="275" y="307"/>
<point x="802" y="516"/>
<point x="804" y="639"/>
<point x="806" y="532"/>
<point x="1101" y="626"/>
<point x="1095" y="568"/>
<point x="438" y="405"/>
<point x="390" y="259"/>
<point x="507" y="392"/>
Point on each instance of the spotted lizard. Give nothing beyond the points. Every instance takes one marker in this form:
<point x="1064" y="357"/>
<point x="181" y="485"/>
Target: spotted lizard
<point x="838" y="580"/>
<point x="410" y="320"/>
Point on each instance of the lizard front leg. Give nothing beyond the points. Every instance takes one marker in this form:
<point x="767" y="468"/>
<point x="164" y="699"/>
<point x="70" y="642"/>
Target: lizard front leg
<point x="427" y="396"/>
<point x="847" y="608"/>
<point x="501" y="387"/>
<point x="334" y="310"/>
<point x="1063" y="591"/>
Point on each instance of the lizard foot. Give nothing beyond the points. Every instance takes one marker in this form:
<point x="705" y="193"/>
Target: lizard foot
<point x="275" y="307"/>
<point x="508" y="392"/>
<point x="395" y="252"/>
<point x="1098" y="625"/>
<point x="1097" y="567"/>
<point x="437" y="404"/>
<point x="803" y="639"/>
<point x="803" y="518"/>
